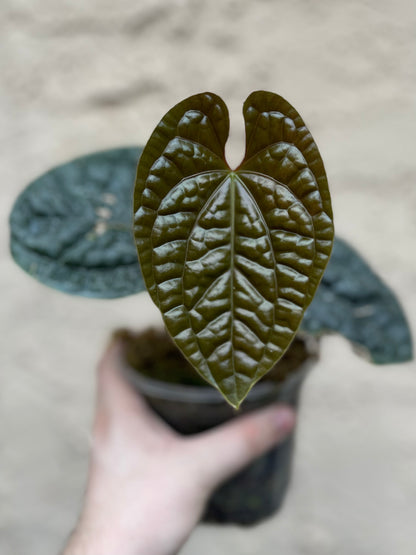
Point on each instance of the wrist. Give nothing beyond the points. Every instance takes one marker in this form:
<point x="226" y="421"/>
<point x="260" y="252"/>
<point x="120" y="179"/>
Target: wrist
<point x="99" y="540"/>
<point x="102" y="528"/>
<point x="106" y="528"/>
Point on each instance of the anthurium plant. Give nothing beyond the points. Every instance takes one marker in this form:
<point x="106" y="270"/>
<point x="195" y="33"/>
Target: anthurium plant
<point x="233" y="258"/>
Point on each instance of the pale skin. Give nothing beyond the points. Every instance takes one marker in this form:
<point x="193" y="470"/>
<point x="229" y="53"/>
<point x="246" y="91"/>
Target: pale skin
<point x="148" y="485"/>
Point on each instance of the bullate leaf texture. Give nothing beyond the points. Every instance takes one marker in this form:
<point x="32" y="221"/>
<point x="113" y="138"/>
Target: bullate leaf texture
<point x="355" y="303"/>
<point x="71" y="228"/>
<point x="232" y="258"/>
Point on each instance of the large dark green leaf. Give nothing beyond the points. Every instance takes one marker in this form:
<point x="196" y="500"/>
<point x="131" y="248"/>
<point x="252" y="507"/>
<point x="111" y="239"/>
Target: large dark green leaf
<point x="232" y="258"/>
<point x="72" y="229"/>
<point x="353" y="301"/>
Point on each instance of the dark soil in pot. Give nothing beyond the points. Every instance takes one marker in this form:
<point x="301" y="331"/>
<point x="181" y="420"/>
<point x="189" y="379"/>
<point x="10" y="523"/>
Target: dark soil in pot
<point x="176" y="392"/>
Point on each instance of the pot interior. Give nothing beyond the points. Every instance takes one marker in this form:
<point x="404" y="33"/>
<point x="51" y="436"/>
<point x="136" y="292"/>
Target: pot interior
<point x="153" y="353"/>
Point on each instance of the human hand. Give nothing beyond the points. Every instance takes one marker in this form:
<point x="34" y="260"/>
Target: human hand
<point x="147" y="484"/>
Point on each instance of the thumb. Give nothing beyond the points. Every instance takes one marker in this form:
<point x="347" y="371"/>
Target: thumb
<point x="118" y="404"/>
<point x="221" y="452"/>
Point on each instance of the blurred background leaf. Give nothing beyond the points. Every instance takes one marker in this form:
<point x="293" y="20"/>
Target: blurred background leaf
<point x="71" y="228"/>
<point x="353" y="301"/>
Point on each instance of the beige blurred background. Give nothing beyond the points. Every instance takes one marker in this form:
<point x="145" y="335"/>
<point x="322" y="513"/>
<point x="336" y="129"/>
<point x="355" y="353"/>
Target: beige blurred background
<point x="84" y="75"/>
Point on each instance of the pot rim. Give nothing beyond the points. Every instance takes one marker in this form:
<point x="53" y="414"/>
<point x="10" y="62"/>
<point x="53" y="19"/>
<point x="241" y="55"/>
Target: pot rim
<point x="208" y="394"/>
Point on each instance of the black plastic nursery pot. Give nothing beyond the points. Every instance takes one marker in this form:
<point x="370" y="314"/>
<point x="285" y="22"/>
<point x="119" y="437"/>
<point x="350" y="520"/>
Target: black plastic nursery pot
<point x="155" y="366"/>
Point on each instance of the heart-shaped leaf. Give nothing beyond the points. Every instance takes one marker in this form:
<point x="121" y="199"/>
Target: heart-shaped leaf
<point x="232" y="258"/>
<point x="353" y="301"/>
<point x="71" y="228"/>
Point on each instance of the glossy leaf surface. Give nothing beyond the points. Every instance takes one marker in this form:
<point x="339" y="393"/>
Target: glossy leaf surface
<point x="353" y="301"/>
<point x="232" y="258"/>
<point x="71" y="228"/>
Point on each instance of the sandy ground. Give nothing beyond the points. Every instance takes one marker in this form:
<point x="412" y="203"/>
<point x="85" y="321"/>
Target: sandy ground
<point x="81" y="76"/>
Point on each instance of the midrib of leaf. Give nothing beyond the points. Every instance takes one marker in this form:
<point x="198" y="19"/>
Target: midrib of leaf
<point x="232" y="254"/>
<point x="234" y="180"/>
